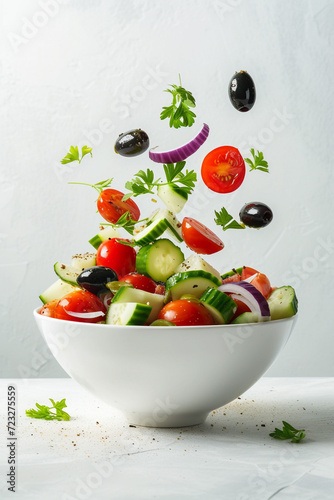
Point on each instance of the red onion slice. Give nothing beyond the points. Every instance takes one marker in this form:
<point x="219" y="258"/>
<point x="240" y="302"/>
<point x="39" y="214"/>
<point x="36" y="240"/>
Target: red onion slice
<point x="247" y="293"/>
<point x="183" y="152"/>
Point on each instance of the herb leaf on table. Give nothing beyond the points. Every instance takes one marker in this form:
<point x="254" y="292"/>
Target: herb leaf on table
<point x="54" y="412"/>
<point x="288" y="432"/>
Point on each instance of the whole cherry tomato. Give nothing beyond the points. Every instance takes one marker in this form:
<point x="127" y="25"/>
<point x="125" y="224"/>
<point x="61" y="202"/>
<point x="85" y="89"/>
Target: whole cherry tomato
<point x="121" y="258"/>
<point x="223" y="169"/>
<point x="111" y="206"/>
<point x="184" y="312"/>
<point x="140" y="281"/>
<point x="81" y="306"/>
<point x="200" y="238"/>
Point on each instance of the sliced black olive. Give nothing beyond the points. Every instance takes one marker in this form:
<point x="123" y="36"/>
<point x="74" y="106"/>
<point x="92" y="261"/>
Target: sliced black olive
<point x="256" y="214"/>
<point x="241" y="91"/>
<point x="132" y="143"/>
<point x="94" y="279"/>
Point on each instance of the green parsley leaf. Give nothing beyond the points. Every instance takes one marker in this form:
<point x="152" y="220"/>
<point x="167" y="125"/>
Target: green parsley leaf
<point x="74" y="155"/>
<point x="144" y="182"/>
<point x="224" y="219"/>
<point x="288" y="432"/>
<point x="54" y="412"/>
<point x="179" y="112"/>
<point x="126" y="222"/>
<point x="258" y="162"/>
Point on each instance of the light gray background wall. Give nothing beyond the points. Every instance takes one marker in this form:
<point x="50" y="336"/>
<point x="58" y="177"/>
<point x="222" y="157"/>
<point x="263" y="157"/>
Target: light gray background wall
<point x="77" y="72"/>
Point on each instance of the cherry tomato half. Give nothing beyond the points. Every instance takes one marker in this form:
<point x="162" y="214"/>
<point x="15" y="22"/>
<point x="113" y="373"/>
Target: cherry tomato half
<point x="121" y="258"/>
<point x="111" y="206"/>
<point x="81" y="306"/>
<point x="186" y="313"/>
<point x="223" y="169"/>
<point x="140" y="281"/>
<point x="200" y="238"/>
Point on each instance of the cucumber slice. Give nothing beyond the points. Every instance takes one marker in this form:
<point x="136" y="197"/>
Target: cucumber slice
<point x="151" y="232"/>
<point x="173" y="197"/>
<point x="105" y="234"/>
<point x="220" y="305"/>
<point x="283" y="303"/>
<point x="159" y="222"/>
<point x="190" y="282"/>
<point x="83" y="261"/>
<point x="66" y="273"/>
<point x="126" y="294"/>
<point x="246" y="317"/>
<point x="56" y="291"/>
<point x="128" y="314"/>
<point x="173" y="224"/>
<point x="159" y="259"/>
<point x="196" y="263"/>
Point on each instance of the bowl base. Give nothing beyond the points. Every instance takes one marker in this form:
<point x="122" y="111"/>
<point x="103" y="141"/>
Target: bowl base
<point x="174" y="420"/>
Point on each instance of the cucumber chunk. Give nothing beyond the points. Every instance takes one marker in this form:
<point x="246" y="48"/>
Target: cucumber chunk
<point x="128" y="314"/>
<point x="246" y="317"/>
<point x="190" y="282"/>
<point x="283" y="303"/>
<point x="196" y="263"/>
<point x="82" y="261"/>
<point x="66" y="273"/>
<point x="151" y="232"/>
<point x="134" y="295"/>
<point x="56" y="291"/>
<point x="173" y="197"/>
<point x="103" y="235"/>
<point x="173" y="224"/>
<point x="220" y="305"/>
<point x="159" y="259"/>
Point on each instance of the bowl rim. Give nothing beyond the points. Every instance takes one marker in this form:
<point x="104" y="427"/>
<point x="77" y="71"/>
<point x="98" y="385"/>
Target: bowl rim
<point x="101" y="326"/>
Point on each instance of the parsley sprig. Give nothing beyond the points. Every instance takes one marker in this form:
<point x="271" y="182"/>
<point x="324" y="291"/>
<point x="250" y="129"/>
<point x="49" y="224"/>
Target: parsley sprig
<point x="224" y="219"/>
<point x="258" y="162"/>
<point x="179" y="112"/>
<point x="126" y="222"/>
<point x="74" y="155"/>
<point x="144" y="182"/>
<point x="54" y="412"/>
<point x="288" y="432"/>
<point x="98" y="186"/>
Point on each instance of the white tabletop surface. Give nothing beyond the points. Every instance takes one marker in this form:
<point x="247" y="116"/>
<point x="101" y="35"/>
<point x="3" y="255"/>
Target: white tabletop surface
<point x="96" y="455"/>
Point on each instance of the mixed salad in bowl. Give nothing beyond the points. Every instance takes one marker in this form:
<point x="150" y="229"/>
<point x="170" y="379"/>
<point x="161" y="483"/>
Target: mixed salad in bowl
<point x="143" y="277"/>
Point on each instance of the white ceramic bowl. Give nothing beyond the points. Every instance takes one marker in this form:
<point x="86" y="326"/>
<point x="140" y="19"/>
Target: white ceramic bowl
<point x="165" y="376"/>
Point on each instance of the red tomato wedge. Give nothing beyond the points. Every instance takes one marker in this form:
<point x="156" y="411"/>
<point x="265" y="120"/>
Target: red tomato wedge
<point x="223" y="169"/>
<point x="111" y="206"/>
<point x="262" y="283"/>
<point x="200" y="238"/>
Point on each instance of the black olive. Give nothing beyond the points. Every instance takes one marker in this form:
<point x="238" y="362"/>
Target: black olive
<point x="132" y="143"/>
<point x="94" y="279"/>
<point x="256" y="214"/>
<point x="241" y="91"/>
